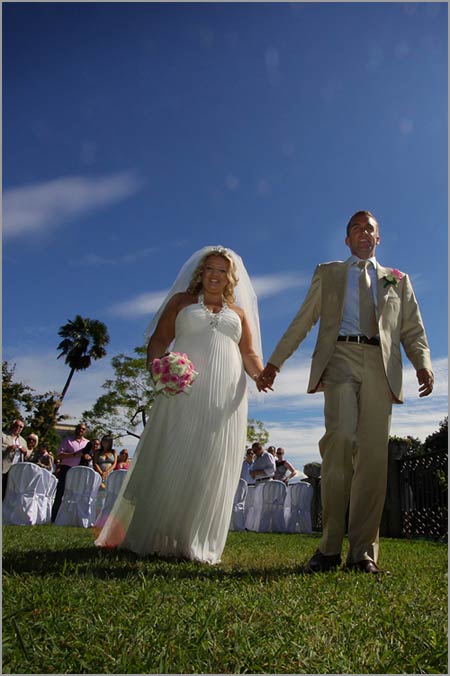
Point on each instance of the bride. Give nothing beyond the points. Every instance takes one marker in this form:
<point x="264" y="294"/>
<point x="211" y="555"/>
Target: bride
<point x="178" y="496"/>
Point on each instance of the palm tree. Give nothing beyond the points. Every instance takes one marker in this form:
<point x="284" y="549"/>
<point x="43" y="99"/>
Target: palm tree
<point x="84" y="340"/>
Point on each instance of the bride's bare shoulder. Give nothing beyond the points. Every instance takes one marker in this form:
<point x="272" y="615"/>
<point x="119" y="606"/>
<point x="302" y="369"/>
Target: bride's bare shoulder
<point x="182" y="299"/>
<point x="238" y="310"/>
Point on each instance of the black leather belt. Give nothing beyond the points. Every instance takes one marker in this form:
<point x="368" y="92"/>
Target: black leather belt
<point x="360" y="339"/>
<point x="266" y="478"/>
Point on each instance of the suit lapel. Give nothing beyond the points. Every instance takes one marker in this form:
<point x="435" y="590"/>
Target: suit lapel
<point x="340" y="282"/>
<point x="382" y="291"/>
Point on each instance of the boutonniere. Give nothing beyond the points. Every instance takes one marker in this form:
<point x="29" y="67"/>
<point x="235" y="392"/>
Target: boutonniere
<point x="393" y="278"/>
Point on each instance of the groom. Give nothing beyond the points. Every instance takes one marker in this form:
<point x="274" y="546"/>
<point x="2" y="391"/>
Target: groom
<point x="366" y="311"/>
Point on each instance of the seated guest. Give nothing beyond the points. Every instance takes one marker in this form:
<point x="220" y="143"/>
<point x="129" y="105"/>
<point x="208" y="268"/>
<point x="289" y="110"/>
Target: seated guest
<point x="32" y="446"/>
<point x="263" y="467"/>
<point x="282" y="467"/>
<point x="271" y="450"/>
<point x="43" y="458"/>
<point x="87" y="457"/>
<point x="122" y="460"/>
<point x="246" y="465"/>
<point x="69" y="453"/>
<point x="14" y="449"/>
<point x="105" y="459"/>
<point x="56" y="466"/>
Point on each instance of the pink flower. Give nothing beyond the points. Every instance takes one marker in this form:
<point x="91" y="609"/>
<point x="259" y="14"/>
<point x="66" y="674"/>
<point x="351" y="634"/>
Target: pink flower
<point x="393" y="278"/>
<point x="172" y="374"/>
<point x="156" y="367"/>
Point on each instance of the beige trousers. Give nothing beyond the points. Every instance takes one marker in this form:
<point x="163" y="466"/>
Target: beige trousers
<point x="358" y="405"/>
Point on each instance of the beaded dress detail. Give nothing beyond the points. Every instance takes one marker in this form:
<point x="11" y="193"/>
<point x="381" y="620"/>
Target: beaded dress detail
<point x="214" y="317"/>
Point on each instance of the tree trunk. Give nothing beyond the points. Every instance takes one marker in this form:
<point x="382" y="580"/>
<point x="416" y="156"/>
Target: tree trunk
<point x="66" y="386"/>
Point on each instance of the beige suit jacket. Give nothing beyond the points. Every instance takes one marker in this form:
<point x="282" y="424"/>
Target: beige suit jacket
<point x="399" y="323"/>
<point x="8" y="455"/>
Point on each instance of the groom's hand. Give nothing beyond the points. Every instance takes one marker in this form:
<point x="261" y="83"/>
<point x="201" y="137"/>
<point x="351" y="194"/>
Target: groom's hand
<point x="266" y="378"/>
<point x="426" y="382"/>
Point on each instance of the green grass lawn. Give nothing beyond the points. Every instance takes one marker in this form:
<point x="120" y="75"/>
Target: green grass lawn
<point x="71" y="608"/>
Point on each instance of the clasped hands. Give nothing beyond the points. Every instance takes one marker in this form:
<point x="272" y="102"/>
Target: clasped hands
<point x="265" y="379"/>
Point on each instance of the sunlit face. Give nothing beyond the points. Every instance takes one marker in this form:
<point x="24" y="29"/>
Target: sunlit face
<point x="257" y="449"/>
<point x="215" y="274"/>
<point x="363" y="237"/>
<point x="17" y="427"/>
<point x="80" y="430"/>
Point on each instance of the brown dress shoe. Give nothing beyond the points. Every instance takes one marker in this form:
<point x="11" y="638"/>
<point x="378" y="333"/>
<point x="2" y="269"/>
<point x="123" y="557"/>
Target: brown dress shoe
<point x="321" y="563"/>
<point x="367" y="566"/>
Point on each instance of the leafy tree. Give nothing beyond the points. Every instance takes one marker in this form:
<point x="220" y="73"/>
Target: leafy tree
<point x="124" y="408"/>
<point x="313" y="469"/>
<point x="413" y="445"/>
<point x="257" y="432"/>
<point x="38" y="411"/>
<point x="16" y="397"/>
<point x="84" y="340"/>
<point x="437" y="440"/>
<point x="43" y="418"/>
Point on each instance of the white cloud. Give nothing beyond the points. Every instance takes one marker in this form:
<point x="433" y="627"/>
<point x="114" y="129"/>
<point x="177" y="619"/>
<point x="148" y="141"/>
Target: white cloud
<point x="45" y="373"/>
<point x="41" y="206"/>
<point x="147" y="303"/>
<point x="300" y="434"/>
<point x="301" y="444"/>
<point x="93" y="259"/>
<point x="143" y="305"/>
<point x="270" y="285"/>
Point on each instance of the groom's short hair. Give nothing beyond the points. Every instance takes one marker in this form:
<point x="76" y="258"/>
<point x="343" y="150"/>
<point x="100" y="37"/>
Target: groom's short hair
<point x="361" y="213"/>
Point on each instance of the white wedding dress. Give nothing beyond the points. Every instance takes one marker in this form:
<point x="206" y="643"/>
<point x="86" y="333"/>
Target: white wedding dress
<point x="178" y="496"/>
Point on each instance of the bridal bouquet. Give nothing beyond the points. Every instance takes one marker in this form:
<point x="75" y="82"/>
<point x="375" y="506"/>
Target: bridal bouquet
<point x="173" y="373"/>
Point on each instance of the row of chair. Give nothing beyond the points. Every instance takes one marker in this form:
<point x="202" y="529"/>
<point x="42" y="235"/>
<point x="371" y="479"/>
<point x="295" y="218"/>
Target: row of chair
<point x="269" y="506"/>
<point x="31" y="492"/>
<point x="272" y="507"/>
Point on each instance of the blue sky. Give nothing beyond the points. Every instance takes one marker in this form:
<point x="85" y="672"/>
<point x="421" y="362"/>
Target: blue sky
<point x="136" y="133"/>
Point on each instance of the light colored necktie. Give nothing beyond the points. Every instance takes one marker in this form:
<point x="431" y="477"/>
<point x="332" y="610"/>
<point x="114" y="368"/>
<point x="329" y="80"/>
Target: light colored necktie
<point x="367" y="316"/>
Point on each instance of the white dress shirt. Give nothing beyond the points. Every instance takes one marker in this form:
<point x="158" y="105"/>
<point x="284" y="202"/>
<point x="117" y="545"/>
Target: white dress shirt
<point x="265" y="462"/>
<point x="350" y="317"/>
<point x="245" y="472"/>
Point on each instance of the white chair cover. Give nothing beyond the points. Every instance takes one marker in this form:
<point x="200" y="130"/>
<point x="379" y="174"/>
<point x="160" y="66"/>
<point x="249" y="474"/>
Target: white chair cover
<point x="237" y="516"/>
<point x="272" y="514"/>
<point x="113" y="485"/>
<point x="298" y="508"/>
<point x="30" y="494"/>
<point x="79" y="499"/>
<point x="253" y="506"/>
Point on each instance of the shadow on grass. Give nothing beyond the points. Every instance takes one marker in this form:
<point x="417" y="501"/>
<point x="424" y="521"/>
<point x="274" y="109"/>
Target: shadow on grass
<point x="91" y="562"/>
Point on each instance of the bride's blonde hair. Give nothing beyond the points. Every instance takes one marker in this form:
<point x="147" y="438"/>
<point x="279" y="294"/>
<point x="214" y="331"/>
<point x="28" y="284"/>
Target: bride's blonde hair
<point x="195" y="285"/>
